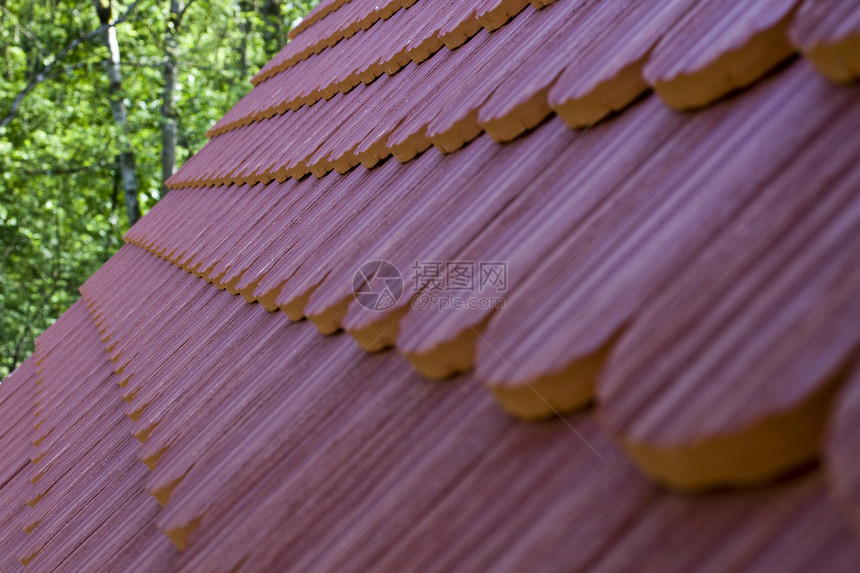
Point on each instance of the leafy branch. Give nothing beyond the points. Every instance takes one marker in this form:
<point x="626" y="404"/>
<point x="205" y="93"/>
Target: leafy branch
<point x="45" y="72"/>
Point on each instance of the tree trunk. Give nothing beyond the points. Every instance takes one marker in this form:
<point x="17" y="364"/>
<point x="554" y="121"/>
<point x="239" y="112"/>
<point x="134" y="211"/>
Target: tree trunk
<point x="168" y="113"/>
<point x="245" y="26"/>
<point x="272" y="37"/>
<point x="7" y="64"/>
<point x="104" y="11"/>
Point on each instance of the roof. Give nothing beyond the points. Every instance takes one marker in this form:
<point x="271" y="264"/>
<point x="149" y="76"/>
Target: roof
<point x="625" y="235"/>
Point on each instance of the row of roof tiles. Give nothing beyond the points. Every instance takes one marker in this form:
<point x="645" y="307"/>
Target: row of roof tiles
<point x="503" y="82"/>
<point x="239" y="458"/>
<point x="78" y="500"/>
<point x="693" y="274"/>
<point x="421" y="32"/>
<point x="606" y="231"/>
<point x="464" y="477"/>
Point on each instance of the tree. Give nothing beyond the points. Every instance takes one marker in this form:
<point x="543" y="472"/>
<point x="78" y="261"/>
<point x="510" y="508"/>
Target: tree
<point x="43" y="74"/>
<point x="168" y="110"/>
<point x="125" y="158"/>
<point x="62" y="189"/>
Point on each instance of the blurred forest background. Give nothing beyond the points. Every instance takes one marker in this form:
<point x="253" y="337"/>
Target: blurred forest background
<point x="99" y="102"/>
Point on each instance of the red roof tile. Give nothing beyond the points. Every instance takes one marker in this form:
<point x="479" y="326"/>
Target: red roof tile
<point x="692" y="274"/>
<point x="342" y="23"/>
<point x="717" y="48"/>
<point x="492" y="492"/>
<point x="89" y="510"/>
<point x="658" y="224"/>
<point x="828" y="33"/>
<point x="317" y="13"/>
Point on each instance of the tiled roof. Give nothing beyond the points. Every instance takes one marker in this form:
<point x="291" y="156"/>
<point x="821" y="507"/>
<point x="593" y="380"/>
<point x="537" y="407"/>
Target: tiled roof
<point x="673" y="196"/>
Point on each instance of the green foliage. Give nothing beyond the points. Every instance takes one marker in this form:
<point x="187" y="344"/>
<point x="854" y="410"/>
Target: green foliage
<point x="61" y="208"/>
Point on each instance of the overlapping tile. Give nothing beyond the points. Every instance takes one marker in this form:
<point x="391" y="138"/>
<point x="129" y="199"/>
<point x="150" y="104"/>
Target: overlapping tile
<point x="582" y="179"/>
<point x="252" y="429"/>
<point x="828" y="33"/>
<point x="467" y="192"/>
<point x="592" y="64"/>
<point x="89" y="510"/>
<point x="719" y="47"/>
<point x="412" y="34"/>
<point x="726" y="377"/>
<point x="702" y="265"/>
<point x="315" y="274"/>
<point x="353" y="128"/>
<point x="324" y="284"/>
<point x="317" y="13"/>
<point x="250" y="497"/>
<point x="602" y="275"/>
<point x="385" y="47"/>
<point x="336" y="25"/>
<point x="490" y="85"/>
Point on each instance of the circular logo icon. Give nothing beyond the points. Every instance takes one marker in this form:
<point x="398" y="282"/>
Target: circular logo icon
<point x="377" y="285"/>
